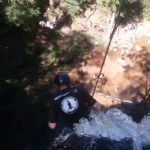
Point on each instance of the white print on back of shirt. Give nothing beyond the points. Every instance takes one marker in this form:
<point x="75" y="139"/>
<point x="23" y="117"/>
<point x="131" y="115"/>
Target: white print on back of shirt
<point x="73" y="91"/>
<point x="69" y="105"/>
<point x="56" y="98"/>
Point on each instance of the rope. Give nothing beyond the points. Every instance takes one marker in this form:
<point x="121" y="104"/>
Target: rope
<point x="121" y="100"/>
<point x="111" y="36"/>
<point x="112" y="97"/>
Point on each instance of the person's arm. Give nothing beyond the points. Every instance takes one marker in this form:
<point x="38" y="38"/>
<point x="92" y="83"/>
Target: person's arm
<point x="52" y="116"/>
<point x="96" y="106"/>
<point x="91" y="101"/>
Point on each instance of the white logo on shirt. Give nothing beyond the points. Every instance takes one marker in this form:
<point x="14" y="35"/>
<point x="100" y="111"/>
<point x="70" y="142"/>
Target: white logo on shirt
<point x="69" y="105"/>
<point x="56" y="98"/>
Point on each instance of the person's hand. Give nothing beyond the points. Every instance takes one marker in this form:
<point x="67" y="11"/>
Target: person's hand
<point x="97" y="106"/>
<point x="51" y="125"/>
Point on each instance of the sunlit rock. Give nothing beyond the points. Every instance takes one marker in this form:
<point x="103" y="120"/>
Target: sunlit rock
<point x="122" y="62"/>
<point x="138" y="48"/>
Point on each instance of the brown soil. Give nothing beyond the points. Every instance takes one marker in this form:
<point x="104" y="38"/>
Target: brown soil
<point x="132" y="83"/>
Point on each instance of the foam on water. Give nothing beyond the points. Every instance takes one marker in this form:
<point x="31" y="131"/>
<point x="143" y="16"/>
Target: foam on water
<point x="116" y="125"/>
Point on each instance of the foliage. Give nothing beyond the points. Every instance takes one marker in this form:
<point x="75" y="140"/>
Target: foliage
<point x="106" y="7"/>
<point x="100" y="41"/>
<point x="50" y="15"/>
<point x="76" y="45"/>
<point x="22" y="14"/>
<point x="73" y="7"/>
<point x="129" y="12"/>
<point x="110" y="4"/>
<point x="146" y="8"/>
<point x="64" y="68"/>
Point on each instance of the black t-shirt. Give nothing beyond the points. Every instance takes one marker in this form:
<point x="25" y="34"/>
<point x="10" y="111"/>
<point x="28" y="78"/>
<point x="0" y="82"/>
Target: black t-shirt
<point x="69" y="105"/>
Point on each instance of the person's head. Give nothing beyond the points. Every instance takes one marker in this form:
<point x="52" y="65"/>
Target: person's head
<point x="62" y="80"/>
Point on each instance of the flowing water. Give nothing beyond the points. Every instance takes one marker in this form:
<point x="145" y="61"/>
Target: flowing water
<point x="115" y="125"/>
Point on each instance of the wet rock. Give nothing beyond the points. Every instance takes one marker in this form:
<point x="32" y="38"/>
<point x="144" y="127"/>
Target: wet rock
<point x="138" y="48"/>
<point x="89" y="142"/>
<point x="64" y="58"/>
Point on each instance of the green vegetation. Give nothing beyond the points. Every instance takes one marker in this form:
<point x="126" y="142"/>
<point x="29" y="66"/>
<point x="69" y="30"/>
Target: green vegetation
<point x="146" y="8"/>
<point x="23" y="13"/>
<point x="64" y="68"/>
<point x="73" y="7"/>
<point x="100" y="41"/>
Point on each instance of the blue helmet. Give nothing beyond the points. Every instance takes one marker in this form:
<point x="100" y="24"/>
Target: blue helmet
<point x="62" y="78"/>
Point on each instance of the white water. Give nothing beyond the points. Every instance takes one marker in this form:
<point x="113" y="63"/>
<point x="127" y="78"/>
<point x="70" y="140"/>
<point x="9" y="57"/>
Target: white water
<point x="116" y="125"/>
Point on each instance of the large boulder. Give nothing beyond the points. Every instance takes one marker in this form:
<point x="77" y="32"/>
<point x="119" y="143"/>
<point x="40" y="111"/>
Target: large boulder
<point x="87" y="142"/>
<point x="138" y="48"/>
<point x="124" y="64"/>
<point x="64" y="58"/>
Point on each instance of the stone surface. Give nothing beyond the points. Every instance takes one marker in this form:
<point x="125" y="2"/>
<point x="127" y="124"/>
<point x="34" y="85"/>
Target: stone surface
<point x="138" y="48"/>
<point x="127" y="52"/>
<point x="131" y="65"/>
<point x="75" y="141"/>
<point x="130" y="46"/>
<point x="115" y="49"/>
<point x="122" y="62"/>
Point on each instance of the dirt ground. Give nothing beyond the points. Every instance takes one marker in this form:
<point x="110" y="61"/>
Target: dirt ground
<point x="132" y="83"/>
